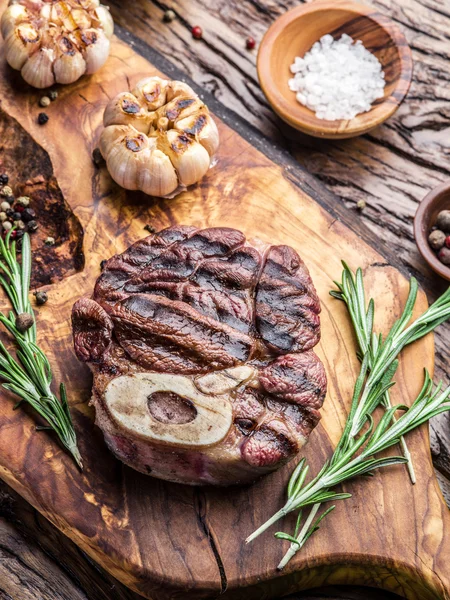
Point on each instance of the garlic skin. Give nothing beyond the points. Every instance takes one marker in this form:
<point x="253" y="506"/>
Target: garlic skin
<point x="159" y="138"/>
<point x="56" y="41"/>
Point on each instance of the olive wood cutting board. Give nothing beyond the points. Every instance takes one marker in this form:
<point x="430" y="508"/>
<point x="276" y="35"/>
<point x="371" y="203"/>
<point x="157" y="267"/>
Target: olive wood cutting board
<point x="172" y="541"/>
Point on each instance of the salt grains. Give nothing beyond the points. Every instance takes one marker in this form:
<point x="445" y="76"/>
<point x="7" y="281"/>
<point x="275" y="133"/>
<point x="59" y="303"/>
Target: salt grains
<point x="337" y="79"/>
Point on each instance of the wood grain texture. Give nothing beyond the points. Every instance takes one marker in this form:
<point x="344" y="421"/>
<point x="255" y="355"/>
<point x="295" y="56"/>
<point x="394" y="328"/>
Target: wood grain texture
<point x="163" y="539"/>
<point x="295" y="32"/>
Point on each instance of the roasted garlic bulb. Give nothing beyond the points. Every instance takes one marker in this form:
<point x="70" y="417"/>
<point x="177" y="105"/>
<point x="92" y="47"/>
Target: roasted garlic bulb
<point x="159" y="138"/>
<point x="50" y="41"/>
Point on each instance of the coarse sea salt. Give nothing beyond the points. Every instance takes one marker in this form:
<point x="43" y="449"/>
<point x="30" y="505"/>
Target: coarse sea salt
<point x="337" y="79"/>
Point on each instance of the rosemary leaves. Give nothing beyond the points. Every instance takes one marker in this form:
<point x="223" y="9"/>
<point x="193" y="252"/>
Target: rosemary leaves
<point x="29" y="375"/>
<point x="362" y="440"/>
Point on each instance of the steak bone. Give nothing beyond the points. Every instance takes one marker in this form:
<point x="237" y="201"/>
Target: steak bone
<point x="168" y="409"/>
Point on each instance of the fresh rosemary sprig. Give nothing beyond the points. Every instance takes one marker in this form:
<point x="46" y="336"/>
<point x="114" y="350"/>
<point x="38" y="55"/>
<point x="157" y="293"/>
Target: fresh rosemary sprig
<point x="351" y="292"/>
<point x="356" y="452"/>
<point x="29" y="376"/>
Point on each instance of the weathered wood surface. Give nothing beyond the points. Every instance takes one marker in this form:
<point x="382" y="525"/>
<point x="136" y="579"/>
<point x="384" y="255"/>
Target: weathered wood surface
<point x="327" y="161"/>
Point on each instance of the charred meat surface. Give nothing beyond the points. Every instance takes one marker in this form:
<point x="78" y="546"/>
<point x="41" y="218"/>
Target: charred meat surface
<point x="201" y="351"/>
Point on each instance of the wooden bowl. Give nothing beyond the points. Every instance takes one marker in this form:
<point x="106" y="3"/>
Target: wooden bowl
<point x="426" y="215"/>
<point x="296" y="31"/>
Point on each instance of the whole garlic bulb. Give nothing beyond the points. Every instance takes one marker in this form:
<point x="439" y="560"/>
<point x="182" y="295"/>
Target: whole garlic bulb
<point x="158" y="138"/>
<point x="50" y="41"/>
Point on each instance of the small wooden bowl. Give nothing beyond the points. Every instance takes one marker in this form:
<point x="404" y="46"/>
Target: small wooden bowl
<point x="296" y="31"/>
<point x="426" y="215"/>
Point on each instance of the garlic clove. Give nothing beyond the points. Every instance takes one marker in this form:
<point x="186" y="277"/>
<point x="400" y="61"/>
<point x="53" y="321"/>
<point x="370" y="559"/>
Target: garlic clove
<point x="97" y="49"/>
<point x="69" y="65"/>
<point x="179" y="88"/>
<point x="203" y="128"/>
<point x="38" y="69"/>
<point x="180" y="107"/>
<point x="152" y="91"/>
<point x="105" y="19"/>
<point x="190" y="159"/>
<point x="20" y="44"/>
<point x="13" y="15"/>
<point x="111" y="135"/>
<point x="125" y="109"/>
<point x="157" y="177"/>
<point x="81" y="18"/>
<point x="124" y="159"/>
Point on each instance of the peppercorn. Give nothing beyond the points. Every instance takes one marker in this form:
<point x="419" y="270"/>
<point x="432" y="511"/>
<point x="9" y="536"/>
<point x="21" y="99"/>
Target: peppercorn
<point x="14" y="234"/>
<point x="19" y="234"/>
<point x="4" y="179"/>
<point x="102" y="264"/>
<point x="6" y="191"/>
<point x="3" y="217"/>
<point x="443" y="220"/>
<point x="169" y="16"/>
<point x="19" y="224"/>
<point x="16" y="216"/>
<point x="44" y="101"/>
<point x="53" y="94"/>
<point x="197" y="32"/>
<point x="97" y="157"/>
<point x="32" y="226"/>
<point x="5" y="206"/>
<point x="447" y="241"/>
<point x="150" y="229"/>
<point x="23" y="200"/>
<point x="41" y="298"/>
<point x="24" y="321"/>
<point x="250" y="43"/>
<point x="50" y="241"/>
<point x="7" y="225"/>
<point x="9" y="212"/>
<point x="444" y="255"/>
<point x="361" y="204"/>
<point x="436" y="239"/>
<point x="42" y="118"/>
<point x="18" y="208"/>
<point x="28" y="215"/>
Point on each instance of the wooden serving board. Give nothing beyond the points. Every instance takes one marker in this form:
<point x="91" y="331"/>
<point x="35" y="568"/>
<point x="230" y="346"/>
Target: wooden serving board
<point x="172" y="541"/>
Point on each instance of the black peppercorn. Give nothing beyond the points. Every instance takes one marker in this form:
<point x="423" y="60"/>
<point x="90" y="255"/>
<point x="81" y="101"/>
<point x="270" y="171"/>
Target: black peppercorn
<point x="9" y="213"/>
<point x="32" y="226"/>
<point x="19" y="234"/>
<point x="16" y="216"/>
<point x="41" y="298"/>
<point x="24" y="321"/>
<point x="28" y="214"/>
<point x="4" y="179"/>
<point x="42" y="118"/>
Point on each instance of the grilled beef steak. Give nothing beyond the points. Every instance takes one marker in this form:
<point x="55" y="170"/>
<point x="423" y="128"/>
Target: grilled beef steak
<point x="201" y="350"/>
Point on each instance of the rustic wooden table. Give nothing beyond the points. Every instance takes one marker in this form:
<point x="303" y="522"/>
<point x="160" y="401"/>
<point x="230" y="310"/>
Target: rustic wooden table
<point x="391" y="168"/>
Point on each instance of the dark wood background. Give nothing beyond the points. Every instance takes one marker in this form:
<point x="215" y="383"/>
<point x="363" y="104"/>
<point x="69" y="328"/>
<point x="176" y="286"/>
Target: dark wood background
<point x="391" y="168"/>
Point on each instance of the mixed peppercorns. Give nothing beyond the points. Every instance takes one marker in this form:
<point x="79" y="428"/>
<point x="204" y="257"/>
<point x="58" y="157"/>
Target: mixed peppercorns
<point x="42" y="118"/>
<point x="197" y="32"/>
<point x="15" y="212"/>
<point x="439" y="238"/>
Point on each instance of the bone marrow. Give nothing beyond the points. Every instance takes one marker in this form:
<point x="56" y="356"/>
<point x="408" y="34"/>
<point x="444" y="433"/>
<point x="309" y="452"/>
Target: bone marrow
<point x="201" y="349"/>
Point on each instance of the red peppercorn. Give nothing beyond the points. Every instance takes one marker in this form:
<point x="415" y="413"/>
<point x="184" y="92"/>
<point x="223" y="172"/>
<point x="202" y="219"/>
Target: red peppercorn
<point x="18" y="208"/>
<point x="197" y="32"/>
<point x="250" y="43"/>
<point x="13" y="234"/>
<point x="447" y="241"/>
